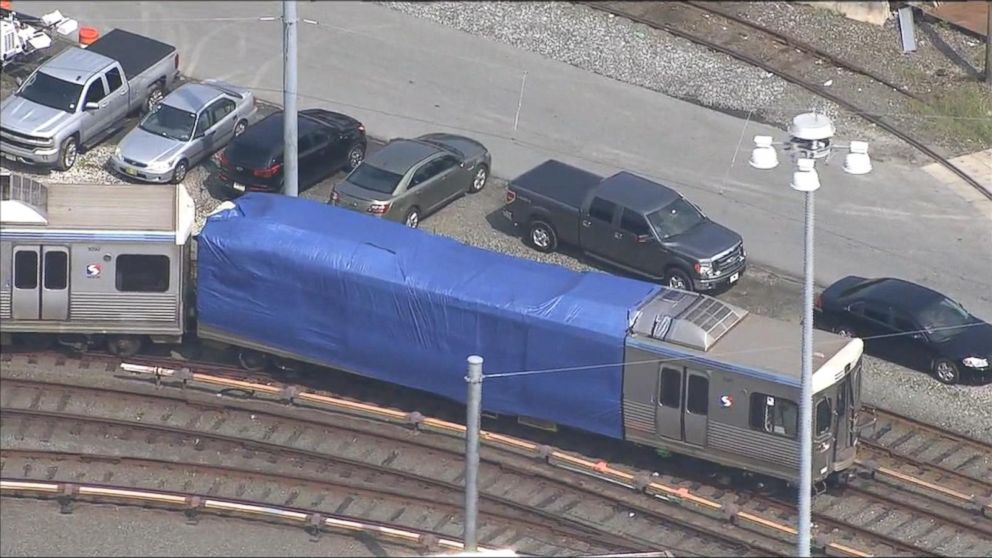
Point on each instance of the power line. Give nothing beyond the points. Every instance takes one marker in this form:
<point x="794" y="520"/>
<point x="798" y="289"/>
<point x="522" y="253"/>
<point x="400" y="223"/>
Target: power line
<point x="699" y="357"/>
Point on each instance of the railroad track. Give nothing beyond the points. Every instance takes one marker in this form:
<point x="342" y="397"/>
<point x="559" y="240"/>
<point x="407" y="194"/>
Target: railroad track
<point x="761" y="515"/>
<point x="787" y="57"/>
<point x="267" y="474"/>
<point x="566" y="506"/>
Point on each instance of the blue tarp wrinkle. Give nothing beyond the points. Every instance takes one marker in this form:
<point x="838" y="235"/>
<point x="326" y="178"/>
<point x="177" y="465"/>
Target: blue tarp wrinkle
<point x="400" y="305"/>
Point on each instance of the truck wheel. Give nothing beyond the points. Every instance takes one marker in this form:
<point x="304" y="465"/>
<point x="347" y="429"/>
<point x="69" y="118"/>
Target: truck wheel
<point x="155" y="96"/>
<point x="180" y="172"/>
<point x="543" y="237"/>
<point x="675" y="278"/>
<point x="253" y="361"/>
<point x="68" y="154"/>
<point x="123" y="345"/>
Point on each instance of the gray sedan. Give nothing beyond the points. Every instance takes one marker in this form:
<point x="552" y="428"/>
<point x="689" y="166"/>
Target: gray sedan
<point x="189" y="124"/>
<point x="410" y="178"/>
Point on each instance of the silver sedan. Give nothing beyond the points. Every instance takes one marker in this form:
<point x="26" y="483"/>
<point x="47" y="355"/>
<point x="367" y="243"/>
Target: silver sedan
<point x="189" y="124"/>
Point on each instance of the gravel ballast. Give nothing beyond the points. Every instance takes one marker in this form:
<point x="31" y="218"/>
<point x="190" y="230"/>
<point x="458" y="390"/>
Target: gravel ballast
<point x="639" y="55"/>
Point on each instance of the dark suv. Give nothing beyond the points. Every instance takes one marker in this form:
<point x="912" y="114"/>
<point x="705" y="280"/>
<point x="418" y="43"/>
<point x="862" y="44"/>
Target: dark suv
<point x="328" y="142"/>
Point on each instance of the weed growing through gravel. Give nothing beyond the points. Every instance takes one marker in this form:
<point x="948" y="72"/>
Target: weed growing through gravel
<point x="964" y="112"/>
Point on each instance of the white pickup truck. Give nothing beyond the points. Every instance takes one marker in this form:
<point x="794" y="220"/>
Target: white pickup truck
<point x="82" y="96"/>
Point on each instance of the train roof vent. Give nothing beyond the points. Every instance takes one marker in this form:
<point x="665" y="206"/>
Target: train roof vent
<point x="25" y="199"/>
<point x="689" y="319"/>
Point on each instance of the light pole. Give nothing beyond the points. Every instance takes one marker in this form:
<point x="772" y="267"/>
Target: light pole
<point x="811" y="136"/>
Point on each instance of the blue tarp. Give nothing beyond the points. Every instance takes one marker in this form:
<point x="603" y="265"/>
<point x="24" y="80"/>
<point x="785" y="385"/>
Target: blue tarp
<point x="405" y="306"/>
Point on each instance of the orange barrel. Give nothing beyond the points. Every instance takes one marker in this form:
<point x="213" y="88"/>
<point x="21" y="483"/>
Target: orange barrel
<point x="88" y="35"/>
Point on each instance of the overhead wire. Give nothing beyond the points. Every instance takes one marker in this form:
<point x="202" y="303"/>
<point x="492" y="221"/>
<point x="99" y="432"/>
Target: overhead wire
<point x="531" y="372"/>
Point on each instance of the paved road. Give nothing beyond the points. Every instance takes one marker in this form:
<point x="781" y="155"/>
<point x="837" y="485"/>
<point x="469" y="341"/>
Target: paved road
<point x="402" y="75"/>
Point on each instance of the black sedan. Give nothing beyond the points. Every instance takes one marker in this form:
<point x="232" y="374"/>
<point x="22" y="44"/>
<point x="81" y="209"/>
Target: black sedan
<point x="328" y="142"/>
<point x="909" y="324"/>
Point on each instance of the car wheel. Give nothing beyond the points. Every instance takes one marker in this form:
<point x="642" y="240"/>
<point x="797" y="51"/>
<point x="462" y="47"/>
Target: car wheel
<point x="845" y="330"/>
<point x="479" y="180"/>
<point x="155" y="97"/>
<point x="946" y="371"/>
<point x="68" y="154"/>
<point x="356" y="155"/>
<point x="675" y="278"/>
<point x="543" y="237"/>
<point x="180" y="172"/>
<point x="240" y="127"/>
<point x="412" y="219"/>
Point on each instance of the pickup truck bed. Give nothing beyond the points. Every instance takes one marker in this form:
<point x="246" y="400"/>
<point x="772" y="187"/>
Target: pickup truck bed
<point x="557" y="181"/>
<point x="135" y="53"/>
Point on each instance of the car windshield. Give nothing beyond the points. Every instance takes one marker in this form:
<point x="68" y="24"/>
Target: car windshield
<point x="944" y="319"/>
<point x="52" y="92"/>
<point x="170" y="122"/>
<point x="675" y="218"/>
<point x="375" y="179"/>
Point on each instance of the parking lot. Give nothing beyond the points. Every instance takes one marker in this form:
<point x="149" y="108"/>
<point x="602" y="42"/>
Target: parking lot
<point x="477" y="220"/>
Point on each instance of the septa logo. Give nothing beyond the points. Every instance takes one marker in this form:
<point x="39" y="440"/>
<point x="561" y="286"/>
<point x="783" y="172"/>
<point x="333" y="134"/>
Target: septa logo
<point x="726" y="400"/>
<point x="93" y="270"/>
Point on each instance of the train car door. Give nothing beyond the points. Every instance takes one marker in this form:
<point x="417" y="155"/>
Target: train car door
<point x="41" y="283"/>
<point x="682" y="406"/>
<point x="54" y="283"/>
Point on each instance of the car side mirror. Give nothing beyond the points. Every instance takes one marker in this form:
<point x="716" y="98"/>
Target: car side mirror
<point x="19" y="81"/>
<point x="91" y="106"/>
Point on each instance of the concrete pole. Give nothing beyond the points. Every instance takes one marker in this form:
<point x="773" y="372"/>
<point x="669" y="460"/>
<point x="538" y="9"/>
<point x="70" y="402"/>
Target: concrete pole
<point x="473" y="423"/>
<point x="988" y="44"/>
<point x="806" y="399"/>
<point x="290" y="163"/>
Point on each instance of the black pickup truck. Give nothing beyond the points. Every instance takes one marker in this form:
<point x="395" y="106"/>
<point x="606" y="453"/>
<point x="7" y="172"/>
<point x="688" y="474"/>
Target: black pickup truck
<point x="627" y="221"/>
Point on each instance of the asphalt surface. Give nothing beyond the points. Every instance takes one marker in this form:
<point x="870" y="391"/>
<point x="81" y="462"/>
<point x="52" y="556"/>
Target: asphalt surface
<point x="405" y="76"/>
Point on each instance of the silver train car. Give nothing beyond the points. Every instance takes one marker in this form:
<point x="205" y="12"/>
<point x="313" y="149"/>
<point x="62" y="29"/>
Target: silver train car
<point x="707" y="379"/>
<point x="93" y="264"/>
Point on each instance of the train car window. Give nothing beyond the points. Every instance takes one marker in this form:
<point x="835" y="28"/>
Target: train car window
<point x="823" y="416"/>
<point x="774" y="415"/>
<point x="56" y="270"/>
<point x="142" y="273"/>
<point x="26" y="270"/>
<point x="671" y="388"/>
<point x="698" y="395"/>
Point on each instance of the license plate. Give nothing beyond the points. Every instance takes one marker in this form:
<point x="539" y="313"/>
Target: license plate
<point x="239" y="187"/>
<point x="735" y="277"/>
<point x="132" y="172"/>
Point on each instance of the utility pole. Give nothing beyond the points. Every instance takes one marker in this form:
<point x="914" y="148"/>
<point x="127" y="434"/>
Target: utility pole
<point x="988" y="44"/>
<point x="473" y="423"/>
<point x="290" y="162"/>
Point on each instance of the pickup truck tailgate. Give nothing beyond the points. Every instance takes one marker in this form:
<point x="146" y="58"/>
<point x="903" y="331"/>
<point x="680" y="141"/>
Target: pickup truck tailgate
<point x="558" y="181"/>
